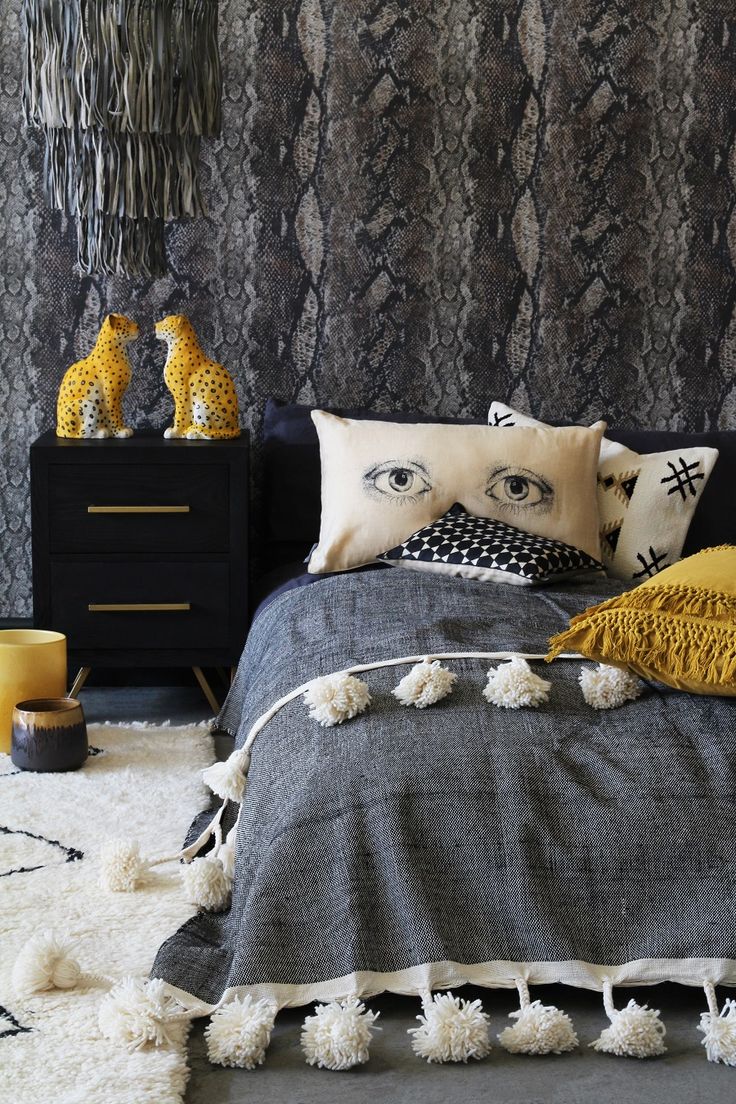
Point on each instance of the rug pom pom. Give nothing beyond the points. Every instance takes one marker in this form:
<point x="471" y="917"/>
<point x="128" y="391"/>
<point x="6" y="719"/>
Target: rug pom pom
<point x="333" y="699"/>
<point x="451" y="1030"/>
<point x="239" y="1033"/>
<point x="636" y="1031"/>
<point x="338" y="1035"/>
<point x="206" y="884"/>
<point x="425" y="684"/>
<point x="539" y="1029"/>
<point x="135" y="1013"/>
<point x="227" y="779"/>
<point x="43" y="963"/>
<point x="121" y="866"/>
<point x="513" y="685"/>
<point x="606" y="687"/>
<point x="719" y="1033"/>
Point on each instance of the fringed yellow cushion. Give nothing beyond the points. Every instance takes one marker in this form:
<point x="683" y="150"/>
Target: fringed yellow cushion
<point x="678" y="627"/>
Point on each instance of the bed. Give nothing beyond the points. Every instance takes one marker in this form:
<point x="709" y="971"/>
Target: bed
<point x="414" y="850"/>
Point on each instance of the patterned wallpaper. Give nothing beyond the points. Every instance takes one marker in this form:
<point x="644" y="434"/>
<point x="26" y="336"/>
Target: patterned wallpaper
<point x="418" y="203"/>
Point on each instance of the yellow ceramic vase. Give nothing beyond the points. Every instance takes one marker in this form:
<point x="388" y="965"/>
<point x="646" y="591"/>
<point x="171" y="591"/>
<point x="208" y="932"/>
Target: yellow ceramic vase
<point x="32" y="665"/>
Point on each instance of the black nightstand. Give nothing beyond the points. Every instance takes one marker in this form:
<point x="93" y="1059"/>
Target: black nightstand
<point x="140" y="550"/>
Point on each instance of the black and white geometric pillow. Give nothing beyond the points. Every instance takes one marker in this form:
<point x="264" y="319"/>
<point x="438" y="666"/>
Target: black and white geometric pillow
<point x="480" y="548"/>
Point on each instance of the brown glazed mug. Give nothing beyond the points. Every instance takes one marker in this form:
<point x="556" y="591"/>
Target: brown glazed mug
<point x="49" y="734"/>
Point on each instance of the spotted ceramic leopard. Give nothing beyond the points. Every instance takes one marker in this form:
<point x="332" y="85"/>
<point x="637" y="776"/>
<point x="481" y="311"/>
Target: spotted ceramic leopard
<point x="205" y="400"/>
<point x="90" y="401"/>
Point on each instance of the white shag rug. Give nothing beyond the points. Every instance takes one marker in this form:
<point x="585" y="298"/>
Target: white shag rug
<point x="143" y="784"/>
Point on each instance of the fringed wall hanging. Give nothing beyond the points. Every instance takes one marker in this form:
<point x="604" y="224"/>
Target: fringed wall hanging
<point x="122" y="91"/>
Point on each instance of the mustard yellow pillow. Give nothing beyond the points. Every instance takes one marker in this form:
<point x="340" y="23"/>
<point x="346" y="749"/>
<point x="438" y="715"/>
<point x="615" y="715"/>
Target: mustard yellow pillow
<point x="678" y="627"/>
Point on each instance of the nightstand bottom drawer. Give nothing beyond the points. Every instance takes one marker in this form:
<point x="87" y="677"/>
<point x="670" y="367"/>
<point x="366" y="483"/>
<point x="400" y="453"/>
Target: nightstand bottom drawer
<point x="118" y="605"/>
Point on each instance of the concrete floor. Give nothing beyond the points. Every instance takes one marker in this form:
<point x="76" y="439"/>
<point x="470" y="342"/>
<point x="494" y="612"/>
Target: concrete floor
<point x="394" y="1074"/>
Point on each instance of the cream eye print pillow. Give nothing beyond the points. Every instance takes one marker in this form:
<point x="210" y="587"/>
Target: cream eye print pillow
<point x="381" y="481"/>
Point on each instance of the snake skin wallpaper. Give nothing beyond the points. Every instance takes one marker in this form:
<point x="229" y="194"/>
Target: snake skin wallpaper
<point x="417" y="204"/>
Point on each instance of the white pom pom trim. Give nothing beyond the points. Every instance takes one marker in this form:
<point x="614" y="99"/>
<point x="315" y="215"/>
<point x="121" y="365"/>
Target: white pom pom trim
<point x="228" y="779"/>
<point x="121" y="866"/>
<point x="239" y="1033"/>
<point x="45" y="962"/>
<point x="451" y="1029"/>
<point x="719" y="1029"/>
<point x="636" y="1031"/>
<point x="333" y="699"/>
<point x="137" y="1013"/>
<point x="226" y="853"/>
<point x="338" y="1035"/>
<point x="606" y="687"/>
<point x="206" y="884"/>
<point x="539" y="1028"/>
<point x="513" y="685"/>
<point x="427" y="682"/>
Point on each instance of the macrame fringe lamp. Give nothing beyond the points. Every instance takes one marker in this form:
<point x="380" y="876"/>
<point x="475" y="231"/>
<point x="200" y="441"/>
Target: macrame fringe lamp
<point x="122" y="93"/>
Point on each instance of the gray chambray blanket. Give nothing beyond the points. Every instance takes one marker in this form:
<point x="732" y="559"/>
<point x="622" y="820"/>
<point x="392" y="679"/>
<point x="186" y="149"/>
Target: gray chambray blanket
<point x="408" y="849"/>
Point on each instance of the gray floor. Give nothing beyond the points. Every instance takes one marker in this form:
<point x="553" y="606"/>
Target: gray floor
<point x="393" y="1074"/>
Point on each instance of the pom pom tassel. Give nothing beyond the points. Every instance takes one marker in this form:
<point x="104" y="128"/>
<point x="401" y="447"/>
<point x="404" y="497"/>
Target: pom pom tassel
<point x="333" y="699"/>
<point x="539" y="1028"/>
<point x="121" y="866"/>
<point x="719" y="1029"/>
<point x="338" y="1035"/>
<point x="606" y="687"/>
<point x="513" y="685"/>
<point x="227" y="779"/>
<point x="206" y="883"/>
<point x="238" y="1034"/>
<point x="135" y="1013"/>
<point x="45" y="962"/>
<point x="426" y="683"/>
<point x="636" y="1031"/>
<point x="226" y="854"/>
<point x="451" y="1029"/>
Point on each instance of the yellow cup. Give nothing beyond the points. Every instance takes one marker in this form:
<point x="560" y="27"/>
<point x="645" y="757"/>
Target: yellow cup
<point x="32" y="665"/>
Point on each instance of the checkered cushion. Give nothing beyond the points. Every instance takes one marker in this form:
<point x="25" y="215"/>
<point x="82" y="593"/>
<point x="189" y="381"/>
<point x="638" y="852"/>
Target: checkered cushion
<point x="480" y="548"/>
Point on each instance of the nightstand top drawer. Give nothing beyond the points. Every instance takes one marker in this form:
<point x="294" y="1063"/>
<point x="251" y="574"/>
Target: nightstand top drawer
<point x="138" y="508"/>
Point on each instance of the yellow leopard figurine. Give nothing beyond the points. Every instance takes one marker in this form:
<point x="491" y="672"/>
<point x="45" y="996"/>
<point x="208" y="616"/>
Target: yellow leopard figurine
<point x="90" y="401"/>
<point x="205" y="400"/>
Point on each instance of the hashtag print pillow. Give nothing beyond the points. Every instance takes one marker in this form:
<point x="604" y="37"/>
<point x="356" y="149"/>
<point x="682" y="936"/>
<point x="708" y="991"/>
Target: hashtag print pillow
<point x="479" y="548"/>
<point x="646" y="501"/>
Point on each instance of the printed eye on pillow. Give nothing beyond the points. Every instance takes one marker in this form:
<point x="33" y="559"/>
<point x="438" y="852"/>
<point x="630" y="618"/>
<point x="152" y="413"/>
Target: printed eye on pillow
<point x="382" y="481"/>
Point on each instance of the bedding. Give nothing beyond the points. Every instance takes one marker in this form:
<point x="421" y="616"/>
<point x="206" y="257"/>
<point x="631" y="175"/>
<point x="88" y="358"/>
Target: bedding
<point x="291" y="475"/>
<point x="408" y="850"/>
<point x="382" y="481"/>
<point x="646" y="503"/>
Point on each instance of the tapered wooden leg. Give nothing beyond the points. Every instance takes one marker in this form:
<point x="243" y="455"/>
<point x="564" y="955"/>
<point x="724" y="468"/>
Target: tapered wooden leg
<point x="206" y="689"/>
<point x="79" y="681"/>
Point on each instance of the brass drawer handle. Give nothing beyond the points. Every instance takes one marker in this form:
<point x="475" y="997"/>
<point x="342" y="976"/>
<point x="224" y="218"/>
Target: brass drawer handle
<point x="138" y="509"/>
<point x="137" y="607"/>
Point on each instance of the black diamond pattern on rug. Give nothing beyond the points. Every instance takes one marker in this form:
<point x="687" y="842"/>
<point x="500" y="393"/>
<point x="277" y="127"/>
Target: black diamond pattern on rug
<point x="461" y="539"/>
